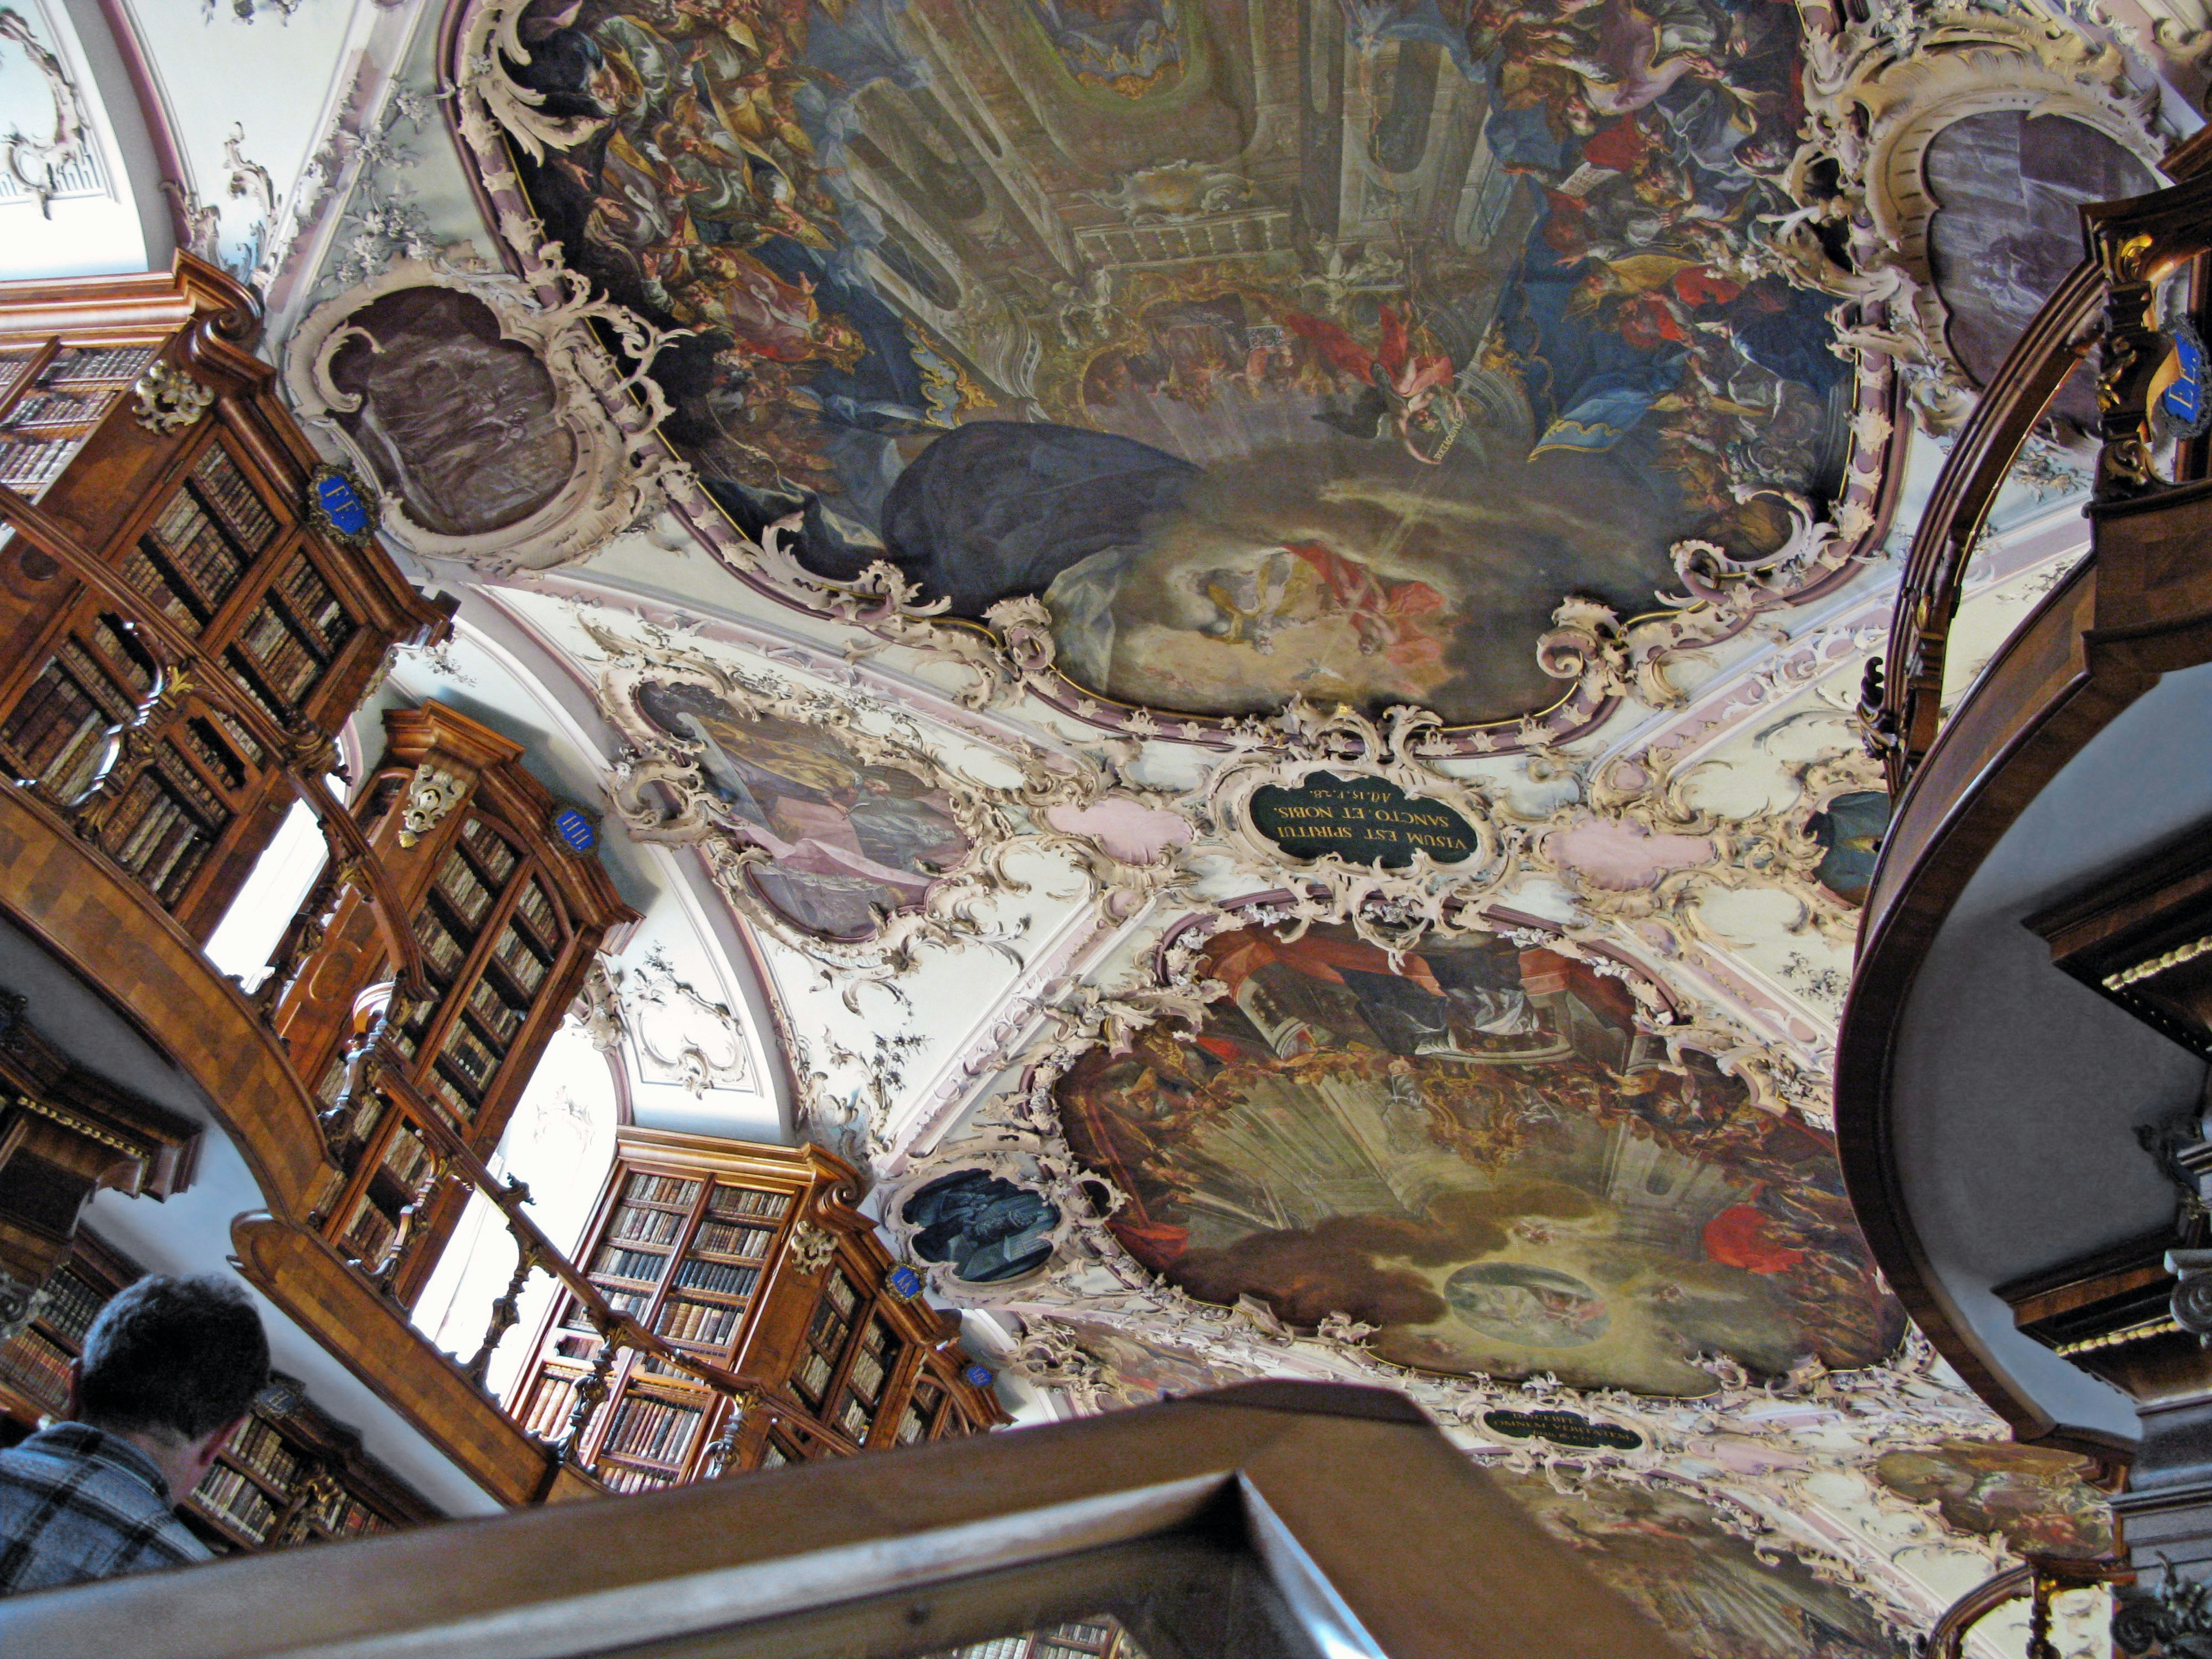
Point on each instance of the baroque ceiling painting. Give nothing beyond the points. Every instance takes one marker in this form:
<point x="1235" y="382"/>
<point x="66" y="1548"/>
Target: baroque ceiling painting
<point x="1474" y="1150"/>
<point x="1221" y="639"/>
<point x="1321" y="354"/>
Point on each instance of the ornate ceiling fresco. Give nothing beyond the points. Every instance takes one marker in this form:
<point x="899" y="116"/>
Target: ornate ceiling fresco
<point x="1242" y="617"/>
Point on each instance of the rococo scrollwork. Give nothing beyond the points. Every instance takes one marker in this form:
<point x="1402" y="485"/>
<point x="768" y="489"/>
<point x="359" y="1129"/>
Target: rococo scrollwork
<point x="855" y="845"/>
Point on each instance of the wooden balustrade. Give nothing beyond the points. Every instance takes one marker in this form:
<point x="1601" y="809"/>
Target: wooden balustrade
<point x="2104" y="300"/>
<point x="1272" y="1518"/>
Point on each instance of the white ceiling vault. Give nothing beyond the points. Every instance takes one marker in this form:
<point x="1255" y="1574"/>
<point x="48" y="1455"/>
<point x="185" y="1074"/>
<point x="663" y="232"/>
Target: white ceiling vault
<point x="1343" y="358"/>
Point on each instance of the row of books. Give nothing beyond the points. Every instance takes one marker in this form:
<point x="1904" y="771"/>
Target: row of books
<point x="28" y="465"/>
<point x="258" y="1446"/>
<point x="546" y="1413"/>
<point x="406" y="1158"/>
<point x="538" y="914"/>
<point x="368" y="1232"/>
<point x="627" y="1480"/>
<point x="49" y="409"/>
<point x="856" y="1420"/>
<point x="71" y="1305"/>
<point x="474" y="1058"/>
<point x="441" y="951"/>
<point x="634" y="1226"/>
<point x="633" y="1303"/>
<point x="150" y="579"/>
<point x="730" y="1238"/>
<point x="156" y="837"/>
<point x="641" y="1266"/>
<point x="501" y="1018"/>
<point x="749" y="1201"/>
<point x="231" y="495"/>
<point x="656" y="1429"/>
<point x="191" y="557"/>
<point x="229" y="1494"/>
<point x="722" y="1277"/>
<point x="812" y="1376"/>
<point x="33" y="1365"/>
<point x="697" y="1322"/>
<point x="869" y="1367"/>
<point x="314" y="608"/>
<point x="290" y="663"/>
<point x="491" y="850"/>
<point x="520" y="958"/>
<point x="458" y="883"/>
<point x="56" y="729"/>
<point x="209" y="749"/>
<point x="665" y="1190"/>
<point x="121" y="364"/>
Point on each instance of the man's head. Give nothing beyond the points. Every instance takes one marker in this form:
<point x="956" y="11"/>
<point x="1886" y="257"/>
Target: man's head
<point x="175" y="1360"/>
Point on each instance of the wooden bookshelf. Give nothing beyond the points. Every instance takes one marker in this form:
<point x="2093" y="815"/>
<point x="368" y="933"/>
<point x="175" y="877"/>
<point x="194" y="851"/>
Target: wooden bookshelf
<point x="508" y="917"/>
<point x="204" y="507"/>
<point x="747" y="1257"/>
<point x="290" y="1474"/>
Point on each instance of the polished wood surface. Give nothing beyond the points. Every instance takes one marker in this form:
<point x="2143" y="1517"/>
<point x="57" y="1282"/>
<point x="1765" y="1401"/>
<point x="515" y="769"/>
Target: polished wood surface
<point x="1374" y="1527"/>
<point x="118" y="941"/>
<point x="2138" y="607"/>
<point x="319" y="1292"/>
<point x="336" y="951"/>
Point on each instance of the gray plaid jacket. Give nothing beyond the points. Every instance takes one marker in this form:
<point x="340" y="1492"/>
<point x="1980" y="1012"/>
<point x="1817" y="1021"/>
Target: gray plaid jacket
<point x="75" y="1503"/>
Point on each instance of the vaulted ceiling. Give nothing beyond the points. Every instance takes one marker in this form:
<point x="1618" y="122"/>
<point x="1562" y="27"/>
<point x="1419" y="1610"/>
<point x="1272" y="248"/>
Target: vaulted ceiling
<point x="959" y="483"/>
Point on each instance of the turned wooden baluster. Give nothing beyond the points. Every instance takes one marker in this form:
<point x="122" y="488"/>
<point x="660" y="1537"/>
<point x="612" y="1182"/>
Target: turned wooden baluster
<point x="506" y="1311"/>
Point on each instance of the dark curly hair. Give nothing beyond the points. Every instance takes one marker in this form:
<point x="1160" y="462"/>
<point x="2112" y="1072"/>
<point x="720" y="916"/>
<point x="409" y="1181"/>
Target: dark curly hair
<point x="180" y="1356"/>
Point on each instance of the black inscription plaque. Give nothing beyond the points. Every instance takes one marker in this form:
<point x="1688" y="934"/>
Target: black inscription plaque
<point x="1365" y="820"/>
<point x="1562" y="1428"/>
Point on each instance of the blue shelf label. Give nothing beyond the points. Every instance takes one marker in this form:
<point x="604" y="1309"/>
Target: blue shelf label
<point x="904" y="1281"/>
<point x="574" y="829"/>
<point x="341" y="503"/>
<point x="979" y="1375"/>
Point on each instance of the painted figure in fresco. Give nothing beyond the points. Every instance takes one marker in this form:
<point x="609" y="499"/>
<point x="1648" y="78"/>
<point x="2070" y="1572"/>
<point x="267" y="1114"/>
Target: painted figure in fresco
<point x="985" y="1226"/>
<point x="846" y="839"/>
<point x="1850" y="831"/>
<point x="1706" y="1588"/>
<point x="2039" y="1500"/>
<point x="1475" y="1150"/>
<point x="1357" y="455"/>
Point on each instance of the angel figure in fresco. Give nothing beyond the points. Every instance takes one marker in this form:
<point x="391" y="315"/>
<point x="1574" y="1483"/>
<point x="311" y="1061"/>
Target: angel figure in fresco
<point x="1406" y="390"/>
<point x="1302" y="582"/>
<point x="845" y="839"/>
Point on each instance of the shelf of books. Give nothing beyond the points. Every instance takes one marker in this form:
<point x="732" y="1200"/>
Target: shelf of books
<point x="509" y="918"/>
<point x="209" y="521"/>
<point x="289" y="1475"/>
<point x="718" y="1247"/>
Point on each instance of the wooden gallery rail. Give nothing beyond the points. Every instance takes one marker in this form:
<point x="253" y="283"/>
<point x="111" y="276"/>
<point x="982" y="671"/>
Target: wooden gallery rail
<point x="186" y="627"/>
<point x="1900" y="703"/>
<point x="2137" y="607"/>
<point x="1270" y="1519"/>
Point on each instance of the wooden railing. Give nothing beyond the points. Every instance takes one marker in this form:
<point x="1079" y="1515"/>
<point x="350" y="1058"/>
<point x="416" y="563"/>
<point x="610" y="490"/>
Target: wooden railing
<point x="2037" y="1580"/>
<point x="1901" y="703"/>
<point x="1270" y="1519"/>
<point x="375" y="1062"/>
<point x="1901" y="706"/>
<point x="271" y="1137"/>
